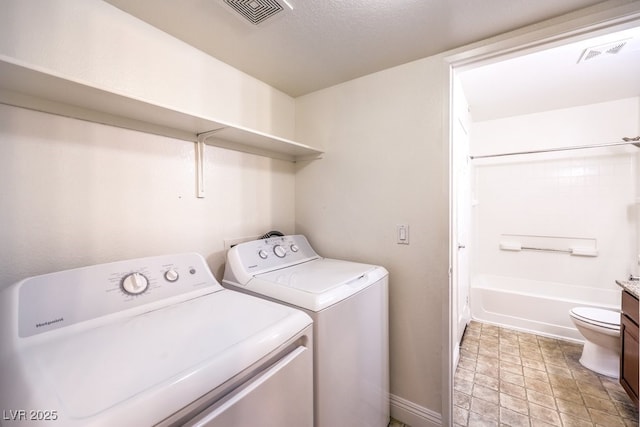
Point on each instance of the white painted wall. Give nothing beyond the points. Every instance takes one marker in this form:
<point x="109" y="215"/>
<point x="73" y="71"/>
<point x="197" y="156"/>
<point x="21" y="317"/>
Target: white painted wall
<point x="385" y="164"/>
<point x="584" y="125"/>
<point x="92" y="42"/>
<point x="82" y="193"/>
<point x="582" y="193"/>
<point x="76" y="193"/>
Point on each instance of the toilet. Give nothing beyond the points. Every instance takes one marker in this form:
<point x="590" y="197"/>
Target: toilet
<point x="601" y="331"/>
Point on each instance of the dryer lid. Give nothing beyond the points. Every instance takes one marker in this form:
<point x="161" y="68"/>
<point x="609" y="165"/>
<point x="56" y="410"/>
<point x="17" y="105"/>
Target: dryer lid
<point x="597" y="315"/>
<point x="165" y="358"/>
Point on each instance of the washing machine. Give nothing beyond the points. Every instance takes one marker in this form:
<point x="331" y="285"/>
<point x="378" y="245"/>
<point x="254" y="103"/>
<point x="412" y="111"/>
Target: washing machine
<point x="348" y="303"/>
<point x="150" y="341"/>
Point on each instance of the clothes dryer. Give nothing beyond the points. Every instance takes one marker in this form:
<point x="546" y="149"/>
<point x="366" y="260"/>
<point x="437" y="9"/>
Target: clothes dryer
<point x="348" y="303"/>
<point x="151" y="341"/>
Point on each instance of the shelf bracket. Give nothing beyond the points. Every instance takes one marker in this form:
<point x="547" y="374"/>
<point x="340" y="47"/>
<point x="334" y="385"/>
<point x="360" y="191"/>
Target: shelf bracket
<point x="200" y="167"/>
<point x="200" y="139"/>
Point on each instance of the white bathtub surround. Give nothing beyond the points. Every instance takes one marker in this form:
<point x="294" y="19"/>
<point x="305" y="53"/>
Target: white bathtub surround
<point x="553" y="231"/>
<point x="580" y="206"/>
<point x="535" y="306"/>
<point x="589" y="195"/>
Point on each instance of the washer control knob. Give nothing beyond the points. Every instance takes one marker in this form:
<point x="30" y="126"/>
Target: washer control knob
<point x="171" y="275"/>
<point x="294" y="248"/>
<point x="279" y="251"/>
<point x="263" y="254"/>
<point x="135" y="284"/>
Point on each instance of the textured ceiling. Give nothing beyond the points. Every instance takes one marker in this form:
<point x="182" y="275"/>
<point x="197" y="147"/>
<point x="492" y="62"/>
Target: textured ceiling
<point x="554" y="78"/>
<point x="321" y="43"/>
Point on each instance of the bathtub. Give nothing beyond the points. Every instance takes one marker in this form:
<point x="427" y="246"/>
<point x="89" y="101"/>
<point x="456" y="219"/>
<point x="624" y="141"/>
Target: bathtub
<point x="534" y="306"/>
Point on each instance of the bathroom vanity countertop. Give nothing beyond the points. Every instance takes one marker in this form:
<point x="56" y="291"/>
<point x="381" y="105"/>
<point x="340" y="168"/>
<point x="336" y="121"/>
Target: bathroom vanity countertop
<point x="632" y="286"/>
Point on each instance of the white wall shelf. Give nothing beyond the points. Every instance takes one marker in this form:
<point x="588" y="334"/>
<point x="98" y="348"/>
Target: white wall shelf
<point x="27" y="87"/>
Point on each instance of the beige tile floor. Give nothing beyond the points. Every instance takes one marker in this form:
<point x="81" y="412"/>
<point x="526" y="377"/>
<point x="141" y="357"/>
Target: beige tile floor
<point x="510" y="378"/>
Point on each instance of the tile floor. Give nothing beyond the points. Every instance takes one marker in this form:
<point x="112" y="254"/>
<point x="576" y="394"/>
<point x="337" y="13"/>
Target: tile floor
<point x="510" y="378"/>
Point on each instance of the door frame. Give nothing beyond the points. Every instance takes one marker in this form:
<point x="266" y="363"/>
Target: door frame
<point x="460" y="213"/>
<point x="587" y="23"/>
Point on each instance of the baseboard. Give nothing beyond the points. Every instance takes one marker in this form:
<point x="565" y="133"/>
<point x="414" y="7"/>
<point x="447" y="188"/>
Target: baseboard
<point x="412" y="414"/>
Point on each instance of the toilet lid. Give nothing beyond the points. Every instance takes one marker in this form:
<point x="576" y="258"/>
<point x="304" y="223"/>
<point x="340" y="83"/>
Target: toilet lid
<point x="597" y="316"/>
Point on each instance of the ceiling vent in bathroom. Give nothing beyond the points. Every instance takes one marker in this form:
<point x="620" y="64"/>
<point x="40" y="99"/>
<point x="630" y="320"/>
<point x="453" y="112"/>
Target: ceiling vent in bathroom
<point x="602" y="51"/>
<point x="257" y="11"/>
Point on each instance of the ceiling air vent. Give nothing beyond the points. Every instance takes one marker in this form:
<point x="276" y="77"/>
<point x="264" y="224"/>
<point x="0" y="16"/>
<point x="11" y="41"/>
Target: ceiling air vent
<point x="256" y="11"/>
<point x="602" y="50"/>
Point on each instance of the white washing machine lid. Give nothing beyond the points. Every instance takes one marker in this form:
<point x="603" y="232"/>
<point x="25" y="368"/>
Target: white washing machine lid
<point x="317" y="284"/>
<point x="165" y="358"/>
<point x="597" y="316"/>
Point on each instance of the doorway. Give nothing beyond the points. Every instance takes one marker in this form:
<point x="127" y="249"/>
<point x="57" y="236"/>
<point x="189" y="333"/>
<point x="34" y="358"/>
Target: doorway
<point x="460" y="243"/>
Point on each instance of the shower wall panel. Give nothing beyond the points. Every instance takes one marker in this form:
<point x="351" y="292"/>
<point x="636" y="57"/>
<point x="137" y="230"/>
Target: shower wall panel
<point x="581" y="194"/>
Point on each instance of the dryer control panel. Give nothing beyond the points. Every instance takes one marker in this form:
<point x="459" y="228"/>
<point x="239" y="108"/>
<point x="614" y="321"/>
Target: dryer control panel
<point x="55" y="300"/>
<point x="260" y="256"/>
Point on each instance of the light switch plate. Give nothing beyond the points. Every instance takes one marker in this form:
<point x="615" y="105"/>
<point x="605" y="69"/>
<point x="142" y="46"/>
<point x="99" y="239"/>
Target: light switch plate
<point x="402" y="234"/>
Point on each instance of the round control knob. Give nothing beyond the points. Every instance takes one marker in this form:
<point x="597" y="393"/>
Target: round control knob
<point x="294" y="248"/>
<point x="279" y="251"/>
<point x="262" y="254"/>
<point x="171" y="275"/>
<point x="135" y="284"/>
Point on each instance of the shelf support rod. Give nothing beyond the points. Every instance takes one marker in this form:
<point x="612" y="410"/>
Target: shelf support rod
<point x="200" y="168"/>
<point x="200" y="139"/>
